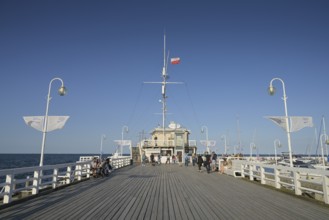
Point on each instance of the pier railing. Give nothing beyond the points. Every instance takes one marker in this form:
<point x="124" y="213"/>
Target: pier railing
<point x="300" y="180"/>
<point x="22" y="182"/>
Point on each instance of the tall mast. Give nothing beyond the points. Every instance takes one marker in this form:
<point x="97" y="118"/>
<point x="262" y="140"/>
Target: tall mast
<point x="163" y="86"/>
<point x="164" y="76"/>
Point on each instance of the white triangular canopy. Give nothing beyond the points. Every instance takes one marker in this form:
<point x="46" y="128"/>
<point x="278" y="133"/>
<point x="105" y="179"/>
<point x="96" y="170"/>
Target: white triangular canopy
<point x="296" y="122"/>
<point x="54" y="122"/>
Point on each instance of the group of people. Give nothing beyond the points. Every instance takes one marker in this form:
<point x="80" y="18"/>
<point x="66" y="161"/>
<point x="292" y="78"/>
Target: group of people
<point x="209" y="162"/>
<point x="153" y="161"/>
<point x="101" y="168"/>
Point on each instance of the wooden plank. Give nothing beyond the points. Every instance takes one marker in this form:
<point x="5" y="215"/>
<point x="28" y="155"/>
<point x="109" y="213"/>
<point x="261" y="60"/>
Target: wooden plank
<point x="165" y="192"/>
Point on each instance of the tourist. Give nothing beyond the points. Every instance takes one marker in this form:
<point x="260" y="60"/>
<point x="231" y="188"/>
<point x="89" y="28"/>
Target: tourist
<point x="186" y="159"/>
<point x="180" y="159"/>
<point x="194" y="159"/>
<point x="213" y="161"/>
<point x="174" y="159"/>
<point x="207" y="162"/>
<point x="159" y="159"/>
<point x="94" y="166"/>
<point x="152" y="159"/>
<point x="143" y="159"/>
<point x="199" y="162"/>
<point x="105" y="168"/>
<point x="168" y="159"/>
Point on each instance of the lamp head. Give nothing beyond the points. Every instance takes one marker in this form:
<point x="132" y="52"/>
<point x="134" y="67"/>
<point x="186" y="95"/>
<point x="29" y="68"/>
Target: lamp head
<point x="327" y="142"/>
<point x="271" y="90"/>
<point x="62" y="91"/>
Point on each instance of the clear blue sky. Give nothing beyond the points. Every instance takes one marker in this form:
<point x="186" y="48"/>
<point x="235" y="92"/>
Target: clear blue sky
<point x="105" y="50"/>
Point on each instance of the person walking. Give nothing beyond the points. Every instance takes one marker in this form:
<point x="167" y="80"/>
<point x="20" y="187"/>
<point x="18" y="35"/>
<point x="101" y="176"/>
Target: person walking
<point x="159" y="159"/>
<point x="199" y="162"/>
<point x="143" y="159"/>
<point x="168" y="159"/>
<point x="194" y="159"/>
<point x="186" y="159"/>
<point x="207" y="162"/>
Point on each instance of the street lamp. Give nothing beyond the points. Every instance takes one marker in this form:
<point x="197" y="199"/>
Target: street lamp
<point x="61" y="92"/>
<point x="271" y="91"/>
<point x="102" y="139"/>
<point x="225" y="147"/>
<point x="252" y="146"/>
<point x="277" y="144"/>
<point x="203" y="128"/>
<point x="326" y="142"/>
<point x="124" y="129"/>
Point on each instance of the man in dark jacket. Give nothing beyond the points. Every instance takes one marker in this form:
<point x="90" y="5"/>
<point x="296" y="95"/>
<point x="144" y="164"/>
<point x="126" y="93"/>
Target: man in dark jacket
<point x="207" y="162"/>
<point x="199" y="162"/>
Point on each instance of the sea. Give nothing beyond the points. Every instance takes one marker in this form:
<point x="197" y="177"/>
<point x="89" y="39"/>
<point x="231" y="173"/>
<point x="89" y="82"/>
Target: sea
<point x="11" y="161"/>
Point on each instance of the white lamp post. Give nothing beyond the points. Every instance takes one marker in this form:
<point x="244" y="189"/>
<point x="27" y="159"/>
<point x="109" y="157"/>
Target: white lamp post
<point x="252" y="146"/>
<point x="271" y="91"/>
<point x="225" y="147"/>
<point x="277" y="144"/>
<point x="203" y="128"/>
<point x="124" y="129"/>
<point x="325" y="136"/>
<point x="102" y="139"/>
<point x="61" y="92"/>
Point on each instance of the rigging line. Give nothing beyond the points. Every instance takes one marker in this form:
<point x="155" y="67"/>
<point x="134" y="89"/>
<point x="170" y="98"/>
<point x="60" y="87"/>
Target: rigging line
<point x="135" y="106"/>
<point x="193" y="109"/>
<point x="319" y="135"/>
<point x="180" y="110"/>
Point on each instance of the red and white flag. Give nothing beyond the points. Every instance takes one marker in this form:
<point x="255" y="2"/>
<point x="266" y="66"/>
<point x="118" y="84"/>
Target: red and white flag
<point x="175" y="60"/>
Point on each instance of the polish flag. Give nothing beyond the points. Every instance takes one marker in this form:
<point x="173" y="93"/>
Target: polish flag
<point x="175" y="60"/>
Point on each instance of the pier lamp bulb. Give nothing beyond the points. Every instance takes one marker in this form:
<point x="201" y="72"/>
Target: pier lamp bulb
<point x="62" y="91"/>
<point x="271" y="90"/>
<point x="327" y="142"/>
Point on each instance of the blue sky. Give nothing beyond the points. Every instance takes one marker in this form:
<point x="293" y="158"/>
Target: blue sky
<point x="105" y="50"/>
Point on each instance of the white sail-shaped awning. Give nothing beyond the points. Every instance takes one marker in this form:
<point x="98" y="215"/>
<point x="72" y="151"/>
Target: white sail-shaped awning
<point x="54" y="122"/>
<point x="296" y="122"/>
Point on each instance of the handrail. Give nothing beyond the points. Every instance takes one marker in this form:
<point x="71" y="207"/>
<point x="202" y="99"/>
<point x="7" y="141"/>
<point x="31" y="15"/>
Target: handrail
<point x="34" y="179"/>
<point x="298" y="179"/>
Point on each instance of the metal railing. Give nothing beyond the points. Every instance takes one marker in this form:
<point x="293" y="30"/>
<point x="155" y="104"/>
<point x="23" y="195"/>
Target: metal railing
<point x="31" y="180"/>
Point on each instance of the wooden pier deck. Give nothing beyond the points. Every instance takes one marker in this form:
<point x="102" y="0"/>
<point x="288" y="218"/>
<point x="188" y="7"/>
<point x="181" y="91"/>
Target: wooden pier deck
<point x="165" y="192"/>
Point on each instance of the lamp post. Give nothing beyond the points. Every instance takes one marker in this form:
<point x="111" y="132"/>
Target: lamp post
<point x="124" y="129"/>
<point x="61" y="92"/>
<point x="102" y="139"/>
<point x="271" y="91"/>
<point x="252" y="146"/>
<point x="225" y="147"/>
<point x="277" y="144"/>
<point x="326" y="142"/>
<point x="203" y="128"/>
